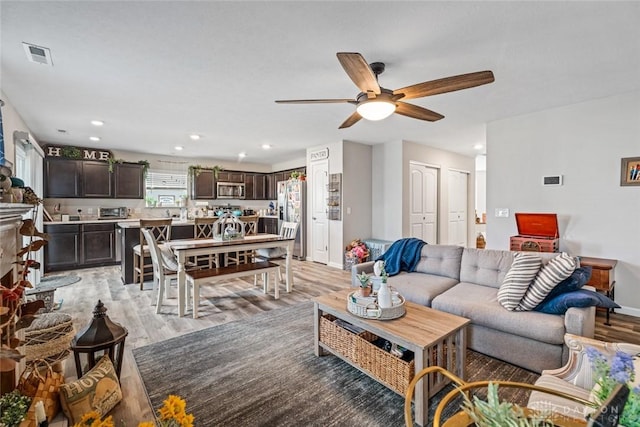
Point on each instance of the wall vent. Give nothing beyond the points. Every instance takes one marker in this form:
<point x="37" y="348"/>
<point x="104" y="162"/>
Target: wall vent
<point x="38" y="54"/>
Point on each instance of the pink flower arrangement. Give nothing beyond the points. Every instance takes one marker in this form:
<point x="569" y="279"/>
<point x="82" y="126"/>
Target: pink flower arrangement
<point x="357" y="249"/>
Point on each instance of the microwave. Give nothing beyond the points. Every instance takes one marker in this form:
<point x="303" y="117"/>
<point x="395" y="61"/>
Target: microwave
<point x="230" y="190"/>
<point x="113" y="213"/>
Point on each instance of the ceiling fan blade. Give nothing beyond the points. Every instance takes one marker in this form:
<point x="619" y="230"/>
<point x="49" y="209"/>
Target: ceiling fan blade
<point x="351" y="120"/>
<point x="359" y="71"/>
<point x="416" y="112"/>
<point x="316" y="101"/>
<point x="448" y="84"/>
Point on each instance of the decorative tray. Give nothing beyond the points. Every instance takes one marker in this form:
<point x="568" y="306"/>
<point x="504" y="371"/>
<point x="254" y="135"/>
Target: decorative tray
<point x="368" y="308"/>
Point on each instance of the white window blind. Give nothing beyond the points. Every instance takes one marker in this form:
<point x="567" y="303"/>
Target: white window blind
<point x="162" y="180"/>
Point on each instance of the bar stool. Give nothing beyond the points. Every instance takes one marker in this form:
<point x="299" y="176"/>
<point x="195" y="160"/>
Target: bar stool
<point x="161" y="230"/>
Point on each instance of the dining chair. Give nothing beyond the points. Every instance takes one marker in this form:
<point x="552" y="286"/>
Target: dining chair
<point x="165" y="267"/>
<point x="161" y="230"/>
<point x="203" y="228"/>
<point x="250" y="228"/>
<point x="288" y="230"/>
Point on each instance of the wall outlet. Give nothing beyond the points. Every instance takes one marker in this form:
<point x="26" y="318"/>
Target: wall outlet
<point x="502" y="213"/>
<point x="348" y="211"/>
<point x="90" y="211"/>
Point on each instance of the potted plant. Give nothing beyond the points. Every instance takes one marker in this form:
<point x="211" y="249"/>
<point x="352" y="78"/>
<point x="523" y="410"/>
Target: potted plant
<point x="365" y="288"/>
<point x="151" y="201"/>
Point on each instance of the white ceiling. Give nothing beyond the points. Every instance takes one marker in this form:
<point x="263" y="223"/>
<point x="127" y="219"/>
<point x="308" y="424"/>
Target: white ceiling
<point x="157" y="71"/>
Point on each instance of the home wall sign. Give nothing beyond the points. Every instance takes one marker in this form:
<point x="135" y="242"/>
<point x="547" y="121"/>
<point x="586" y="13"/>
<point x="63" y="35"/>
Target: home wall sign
<point x="77" y="153"/>
<point x="319" y="154"/>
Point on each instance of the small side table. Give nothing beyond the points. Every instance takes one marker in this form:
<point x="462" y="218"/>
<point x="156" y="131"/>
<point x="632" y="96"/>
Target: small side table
<point x="602" y="277"/>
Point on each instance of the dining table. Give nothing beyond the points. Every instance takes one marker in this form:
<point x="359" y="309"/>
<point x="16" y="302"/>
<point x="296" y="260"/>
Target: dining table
<point x="186" y="248"/>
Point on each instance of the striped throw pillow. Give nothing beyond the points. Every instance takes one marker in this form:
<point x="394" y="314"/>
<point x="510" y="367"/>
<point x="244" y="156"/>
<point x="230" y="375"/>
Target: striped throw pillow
<point x="523" y="270"/>
<point x="558" y="269"/>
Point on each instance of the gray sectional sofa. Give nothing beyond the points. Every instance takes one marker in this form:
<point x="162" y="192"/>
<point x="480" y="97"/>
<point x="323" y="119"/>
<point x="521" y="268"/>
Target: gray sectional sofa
<point x="465" y="282"/>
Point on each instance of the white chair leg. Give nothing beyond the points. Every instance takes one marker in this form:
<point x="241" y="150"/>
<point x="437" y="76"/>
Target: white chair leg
<point x="160" y="299"/>
<point x="276" y="284"/>
<point x="265" y="283"/>
<point x="196" y="299"/>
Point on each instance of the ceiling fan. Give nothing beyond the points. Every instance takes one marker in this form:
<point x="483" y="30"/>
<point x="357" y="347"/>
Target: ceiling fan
<point x="376" y="103"/>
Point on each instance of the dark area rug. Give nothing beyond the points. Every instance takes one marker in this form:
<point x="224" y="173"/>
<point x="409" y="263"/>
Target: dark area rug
<point x="262" y="371"/>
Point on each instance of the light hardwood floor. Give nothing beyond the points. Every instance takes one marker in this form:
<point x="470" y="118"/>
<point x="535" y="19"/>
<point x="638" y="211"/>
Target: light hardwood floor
<point x="239" y="299"/>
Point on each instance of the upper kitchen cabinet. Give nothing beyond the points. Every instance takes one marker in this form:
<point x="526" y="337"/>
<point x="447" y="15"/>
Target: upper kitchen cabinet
<point x="62" y="178"/>
<point x="97" y="181"/>
<point x="129" y="180"/>
<point x="203" y="185"/>
<point x="231" y="176"/>
<point x="254" y="185"/>
<point x="92" y="179"/>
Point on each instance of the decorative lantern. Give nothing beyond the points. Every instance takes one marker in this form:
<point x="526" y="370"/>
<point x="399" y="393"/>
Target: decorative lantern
<point x="101" y="336"/>
<point x="228" y="227"/>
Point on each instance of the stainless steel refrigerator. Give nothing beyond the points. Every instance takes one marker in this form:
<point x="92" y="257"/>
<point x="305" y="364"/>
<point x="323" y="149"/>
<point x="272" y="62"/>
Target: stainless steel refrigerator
<point x="292" y="204"/>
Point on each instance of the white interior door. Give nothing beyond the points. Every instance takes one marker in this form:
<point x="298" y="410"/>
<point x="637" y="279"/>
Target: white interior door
<point x="318" y="180"/>
<point x="458" y="182"/>
<point x="423" y="202"/>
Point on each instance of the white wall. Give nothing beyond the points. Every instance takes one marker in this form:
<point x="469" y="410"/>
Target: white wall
<point x="386" y="199"/>
<point x="356" y="192"/>
<point x="11" y="122"/>
<point x="445" y="160"/>
<point x="583" y="142"/>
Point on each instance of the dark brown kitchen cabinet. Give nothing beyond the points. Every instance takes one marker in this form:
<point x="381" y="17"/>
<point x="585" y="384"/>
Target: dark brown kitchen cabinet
<point x="268" y="225"/>
<point x="203" y="185"/>
<point x="98" y="244"/>
<point x="231" y="176"/>
<point x="74" y="246"/>
<point x="254" y="186"/>
<point x="62" y="252"/>
<point x="129" y="179"/>
<point x="62" y="178"/>
<point x="97" y="181"/>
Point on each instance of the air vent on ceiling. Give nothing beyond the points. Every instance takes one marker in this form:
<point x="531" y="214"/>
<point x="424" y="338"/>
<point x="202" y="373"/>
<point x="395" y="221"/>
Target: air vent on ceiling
<point x="38" y="54"/>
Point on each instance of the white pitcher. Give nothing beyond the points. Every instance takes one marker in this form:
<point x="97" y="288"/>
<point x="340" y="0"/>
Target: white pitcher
<point x="384" y="296"/>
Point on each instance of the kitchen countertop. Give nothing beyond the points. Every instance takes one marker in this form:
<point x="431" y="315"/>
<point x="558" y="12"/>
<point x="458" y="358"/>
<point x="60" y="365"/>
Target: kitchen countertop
<point x="126" y="223"/>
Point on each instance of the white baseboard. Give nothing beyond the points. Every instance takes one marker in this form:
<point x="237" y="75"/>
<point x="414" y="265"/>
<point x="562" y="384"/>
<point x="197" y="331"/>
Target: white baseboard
<point x="629" y="311"/>
<point x="335" y="265"/>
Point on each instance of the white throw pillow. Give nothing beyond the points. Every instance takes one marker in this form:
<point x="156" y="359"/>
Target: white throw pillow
<point x="524" y="269"/>
<point x="558" y="269"/>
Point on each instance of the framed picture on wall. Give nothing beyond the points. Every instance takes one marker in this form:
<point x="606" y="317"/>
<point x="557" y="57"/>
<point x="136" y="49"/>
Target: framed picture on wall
<point x="630" y="171"/>
<point x="166" y="200"/>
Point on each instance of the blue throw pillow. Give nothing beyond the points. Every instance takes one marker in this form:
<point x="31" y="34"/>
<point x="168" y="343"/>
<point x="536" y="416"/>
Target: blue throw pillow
<point x="577" y="280"/>
<point x="580" y="298"/>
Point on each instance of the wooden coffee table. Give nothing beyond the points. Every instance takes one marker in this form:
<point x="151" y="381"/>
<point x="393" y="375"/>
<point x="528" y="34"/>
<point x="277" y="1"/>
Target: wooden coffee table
<point x="435" y="338"/>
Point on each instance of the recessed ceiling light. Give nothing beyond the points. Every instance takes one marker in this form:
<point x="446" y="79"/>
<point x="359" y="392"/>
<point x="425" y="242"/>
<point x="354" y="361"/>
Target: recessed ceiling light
<point x="478" y="146"/>
<point x="194" y="136"/>
<point x="178" y="147"/>
<point x="94" y="138"/>
<point x="266" y="146"/>
<point x="97" y="122"/>
<point x="242" y="155"/>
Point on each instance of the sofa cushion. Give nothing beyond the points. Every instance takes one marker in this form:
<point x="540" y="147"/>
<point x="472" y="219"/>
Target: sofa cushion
<point x="420" y="288"/>
<point x="579" y="298"/>
<point x="485" y="266"/>
<point x="524" y="269"/>
<point x="575" y="281"/>
<point x="558" y="269"/>
<point x="441" y="260"/>
<point x="480" y="304"/>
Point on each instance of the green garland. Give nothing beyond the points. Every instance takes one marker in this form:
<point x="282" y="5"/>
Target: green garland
<point x="145" y="167"/>
<point x="71" y="152"/>
<point x="112" y="161"/>
<point x="14" y="407"/>
<point x="195" y="170"/>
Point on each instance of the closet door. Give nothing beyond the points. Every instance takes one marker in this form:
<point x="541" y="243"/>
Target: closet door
<point x="458" y="181"/>
<point x="423" y="214"/>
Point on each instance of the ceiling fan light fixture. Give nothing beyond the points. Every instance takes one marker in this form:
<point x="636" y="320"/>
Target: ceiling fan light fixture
<point x="376" y="109"/>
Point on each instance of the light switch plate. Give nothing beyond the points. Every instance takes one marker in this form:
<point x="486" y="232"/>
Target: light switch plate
<point x="502" y="212"/>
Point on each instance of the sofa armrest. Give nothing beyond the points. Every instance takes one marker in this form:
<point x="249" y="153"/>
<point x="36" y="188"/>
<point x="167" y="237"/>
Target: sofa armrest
<point x="580" y="321"/>
<point x="365" y="267"/>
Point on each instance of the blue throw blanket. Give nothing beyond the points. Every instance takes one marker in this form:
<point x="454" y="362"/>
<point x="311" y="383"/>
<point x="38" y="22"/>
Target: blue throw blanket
<point x="402" y="255"/>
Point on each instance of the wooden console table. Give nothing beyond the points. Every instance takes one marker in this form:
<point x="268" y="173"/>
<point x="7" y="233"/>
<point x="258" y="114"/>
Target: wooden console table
<point x="602" y="277"/>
